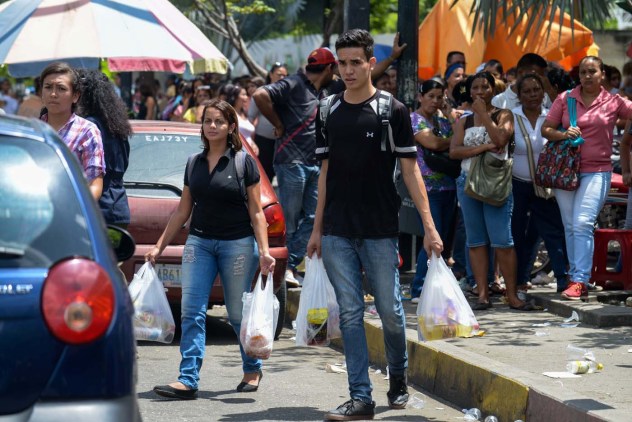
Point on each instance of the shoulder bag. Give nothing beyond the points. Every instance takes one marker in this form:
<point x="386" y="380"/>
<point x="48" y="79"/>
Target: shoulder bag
<point x="559" y="162"/>
<point x="440" y="161"/>
<point x="489" y="178"/>
<point x="540" y="192"/>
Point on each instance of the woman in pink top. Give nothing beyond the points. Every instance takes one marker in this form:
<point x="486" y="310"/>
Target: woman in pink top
<point x="597" y="113"/>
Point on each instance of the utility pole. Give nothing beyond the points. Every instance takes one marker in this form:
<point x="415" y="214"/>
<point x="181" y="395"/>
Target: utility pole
<point x="356" y="14"/>
<point x="407" y="26"/>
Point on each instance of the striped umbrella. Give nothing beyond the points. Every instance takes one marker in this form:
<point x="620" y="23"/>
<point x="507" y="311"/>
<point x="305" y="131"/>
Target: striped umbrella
<point x="133" y="35"/>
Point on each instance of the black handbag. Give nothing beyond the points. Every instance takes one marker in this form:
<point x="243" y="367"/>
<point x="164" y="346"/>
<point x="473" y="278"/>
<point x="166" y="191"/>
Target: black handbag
<point x="440" y="162"/>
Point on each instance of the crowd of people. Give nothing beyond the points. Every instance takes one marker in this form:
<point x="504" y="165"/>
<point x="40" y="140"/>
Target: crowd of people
<point x="331" y="134"/>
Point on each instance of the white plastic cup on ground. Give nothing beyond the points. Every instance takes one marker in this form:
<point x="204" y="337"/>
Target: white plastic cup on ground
<point x="417" y="401"/>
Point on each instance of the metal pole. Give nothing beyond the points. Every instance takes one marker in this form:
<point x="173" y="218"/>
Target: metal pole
<point x="407" y="26"/>
<point x="356" y="14"/>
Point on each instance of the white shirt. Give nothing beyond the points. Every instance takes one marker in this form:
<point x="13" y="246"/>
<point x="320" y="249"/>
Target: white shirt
<point x="11" y="104"/>
<point x="509" y="100"/>
<point x="520" y="168"/>
<point x="246" y="129"/>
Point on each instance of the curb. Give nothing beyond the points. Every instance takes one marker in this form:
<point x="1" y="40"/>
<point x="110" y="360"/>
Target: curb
<point x="468" y="380"/>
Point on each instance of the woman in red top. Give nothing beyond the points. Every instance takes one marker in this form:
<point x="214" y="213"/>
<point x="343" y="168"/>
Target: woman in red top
<point x="597" y="112"/>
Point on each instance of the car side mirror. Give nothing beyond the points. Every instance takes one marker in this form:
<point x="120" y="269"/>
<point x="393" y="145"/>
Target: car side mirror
<point x="122" y="243"/>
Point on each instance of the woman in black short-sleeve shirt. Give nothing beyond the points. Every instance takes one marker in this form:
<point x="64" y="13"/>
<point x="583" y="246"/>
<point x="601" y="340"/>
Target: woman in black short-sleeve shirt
<point x="221" y="240"/>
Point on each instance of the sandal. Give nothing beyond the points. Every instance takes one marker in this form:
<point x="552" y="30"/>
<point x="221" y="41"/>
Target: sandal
<point x="525" y="307"/>
<point x="496" y="289"/>
<point x="481" y="306"/>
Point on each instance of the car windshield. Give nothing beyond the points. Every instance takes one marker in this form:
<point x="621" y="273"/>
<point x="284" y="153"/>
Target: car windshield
<point x="41" y="220"/>
<point x="159" y="159"/>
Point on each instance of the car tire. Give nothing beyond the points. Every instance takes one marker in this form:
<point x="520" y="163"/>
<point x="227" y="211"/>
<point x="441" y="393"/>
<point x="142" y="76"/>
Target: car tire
<point x="281" y="295"/>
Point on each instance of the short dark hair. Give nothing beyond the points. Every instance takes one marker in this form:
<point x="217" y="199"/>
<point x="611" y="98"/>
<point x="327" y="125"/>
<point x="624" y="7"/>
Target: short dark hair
<point x="610" y="71"/>
<point x="560" y="79"/>
<point x="531" y="59"/>
<point x="594" y="58"/>
<point x="230" y="115"/>
<point x="480" y="75"/>
<point x="525" y="78"/>
<point x="429" y="85"/>
<point x="452" y="54"/>
<point x="356" y="38"/>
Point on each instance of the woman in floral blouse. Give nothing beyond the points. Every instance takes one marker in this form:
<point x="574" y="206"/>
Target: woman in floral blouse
<point x="432" y="126"/>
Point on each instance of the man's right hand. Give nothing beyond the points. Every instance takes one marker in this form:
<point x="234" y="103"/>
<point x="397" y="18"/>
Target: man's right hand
<point x="313" y="246"/>
<point x="627" y="179"/>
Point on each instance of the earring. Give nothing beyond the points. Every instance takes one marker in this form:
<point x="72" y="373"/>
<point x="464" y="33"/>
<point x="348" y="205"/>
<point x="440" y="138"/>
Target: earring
<point x="230" y="133"/>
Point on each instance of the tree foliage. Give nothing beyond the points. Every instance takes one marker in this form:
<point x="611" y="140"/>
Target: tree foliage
<point x="539" y="13"/>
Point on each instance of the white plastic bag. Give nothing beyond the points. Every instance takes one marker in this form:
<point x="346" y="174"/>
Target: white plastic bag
<point x="443" y="311"/>
<point x="153" y="320"/>
<point x="260" y="315"/>
<point x="318" y="316"/>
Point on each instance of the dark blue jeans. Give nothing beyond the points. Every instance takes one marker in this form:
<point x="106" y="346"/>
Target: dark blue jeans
<point x="442" y="208"/>
<point x="534" y="218"/>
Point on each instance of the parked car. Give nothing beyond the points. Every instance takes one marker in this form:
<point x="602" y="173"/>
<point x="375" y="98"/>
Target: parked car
<point x="154" y="181"/>
<point x="67" y="348"/>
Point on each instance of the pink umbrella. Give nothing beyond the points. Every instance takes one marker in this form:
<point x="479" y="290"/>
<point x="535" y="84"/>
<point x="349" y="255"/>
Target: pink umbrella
<point x="133" y="35"/>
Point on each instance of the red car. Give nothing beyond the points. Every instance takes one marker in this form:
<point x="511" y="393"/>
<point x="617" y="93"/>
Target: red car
<point x="154" y="182"/>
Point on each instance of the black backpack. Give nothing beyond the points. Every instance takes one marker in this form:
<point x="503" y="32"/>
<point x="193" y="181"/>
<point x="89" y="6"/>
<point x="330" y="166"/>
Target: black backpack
<point x="384" y="112"/>
<point x="240" y="164"/>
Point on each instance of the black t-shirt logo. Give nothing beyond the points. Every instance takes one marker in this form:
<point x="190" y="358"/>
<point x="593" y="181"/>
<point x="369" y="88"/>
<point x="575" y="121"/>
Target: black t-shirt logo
<point x="369" y="135"/>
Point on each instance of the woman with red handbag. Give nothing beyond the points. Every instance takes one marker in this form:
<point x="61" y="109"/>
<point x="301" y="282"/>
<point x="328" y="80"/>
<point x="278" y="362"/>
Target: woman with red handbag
<point x="596" y="111"/>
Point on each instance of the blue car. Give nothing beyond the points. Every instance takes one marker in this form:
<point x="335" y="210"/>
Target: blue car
<point x="67" y="348"/>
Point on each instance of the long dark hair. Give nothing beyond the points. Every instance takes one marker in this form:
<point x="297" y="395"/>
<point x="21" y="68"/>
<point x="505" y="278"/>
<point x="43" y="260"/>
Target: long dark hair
<point x="229" y="113"/>
<point x="99" y="100"/>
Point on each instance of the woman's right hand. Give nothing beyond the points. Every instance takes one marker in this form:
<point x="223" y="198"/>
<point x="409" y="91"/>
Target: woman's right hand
<point x="627" y="179"/>
<point x="572" y="133"/>
<point x="152" y="255"/>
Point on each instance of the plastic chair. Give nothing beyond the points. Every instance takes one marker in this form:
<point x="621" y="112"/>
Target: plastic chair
<point x="600" y="274"/>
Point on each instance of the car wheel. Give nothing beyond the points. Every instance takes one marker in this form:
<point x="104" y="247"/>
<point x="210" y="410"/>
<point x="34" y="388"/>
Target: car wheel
<point x="281" y="295"/>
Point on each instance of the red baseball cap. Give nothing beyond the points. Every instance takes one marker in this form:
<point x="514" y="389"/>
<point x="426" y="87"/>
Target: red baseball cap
<point x="320" y="56"/>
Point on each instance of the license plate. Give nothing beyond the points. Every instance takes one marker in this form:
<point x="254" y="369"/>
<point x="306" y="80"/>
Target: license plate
<point x="169" y="274"/>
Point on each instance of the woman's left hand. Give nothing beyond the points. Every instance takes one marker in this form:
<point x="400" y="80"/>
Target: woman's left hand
<point x="479" y="107"/>
<point x="266" y="262"/>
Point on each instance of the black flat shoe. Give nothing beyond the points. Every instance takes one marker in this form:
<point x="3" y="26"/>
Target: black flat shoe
<point x="481" y="306"/>
<point x="244" y="387"/>
<point x="526" y="307"/>
<point x="174" y="393"/>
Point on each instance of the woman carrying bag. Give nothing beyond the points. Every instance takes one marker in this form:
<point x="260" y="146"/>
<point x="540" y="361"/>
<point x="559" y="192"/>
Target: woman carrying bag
<point x="221" y="240"/>
<point x="595" y="112"/>
<point x="488" y="129"/>
<point x="535" y="212"/>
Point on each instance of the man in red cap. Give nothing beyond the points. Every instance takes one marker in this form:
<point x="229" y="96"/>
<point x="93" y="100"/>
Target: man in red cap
<point x="291" y="105"/>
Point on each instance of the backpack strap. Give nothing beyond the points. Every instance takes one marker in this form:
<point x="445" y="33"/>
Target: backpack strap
<point x="240" y="165"/>
<point x="190" y="164"/>
<point x="384" y="111"/>
<point x="324" y="109"/>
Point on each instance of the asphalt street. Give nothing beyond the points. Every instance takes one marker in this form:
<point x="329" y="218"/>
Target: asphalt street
<point x="295" y="385"/>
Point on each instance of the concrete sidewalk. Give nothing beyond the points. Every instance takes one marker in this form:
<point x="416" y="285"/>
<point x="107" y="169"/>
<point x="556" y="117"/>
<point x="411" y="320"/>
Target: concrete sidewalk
<point x="501" y="372"/>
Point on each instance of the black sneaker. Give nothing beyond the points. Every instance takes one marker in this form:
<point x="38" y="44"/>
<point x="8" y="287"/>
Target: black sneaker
<point x="352" y="410"/>
<point x="398" y="392"/>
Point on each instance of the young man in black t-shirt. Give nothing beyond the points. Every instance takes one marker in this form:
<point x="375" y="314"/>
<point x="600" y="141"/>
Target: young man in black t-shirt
<point x="356" y="224"/>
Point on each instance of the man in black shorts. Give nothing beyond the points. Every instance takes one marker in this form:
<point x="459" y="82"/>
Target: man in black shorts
<point x="356" y="225"/>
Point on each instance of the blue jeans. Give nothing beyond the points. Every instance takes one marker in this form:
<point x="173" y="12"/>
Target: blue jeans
<point x="461" y="253"/>
<point x="579" y="210"/>
<point x="442" y="207"/>
<point x="298" y="194"/>
<point x="236" y="261"/>
<point x="344" y="258"/>
<point x="534" y="217"/>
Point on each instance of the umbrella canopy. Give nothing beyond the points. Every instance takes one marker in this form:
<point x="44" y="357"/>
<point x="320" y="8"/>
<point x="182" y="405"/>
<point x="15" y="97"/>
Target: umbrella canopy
<point x="448" y="29"/>
<point x="133" y="35"/>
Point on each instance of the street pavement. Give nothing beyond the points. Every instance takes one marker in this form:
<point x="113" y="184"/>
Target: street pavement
<point x="501" y="372"/>
<point x="295" y="385"/>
